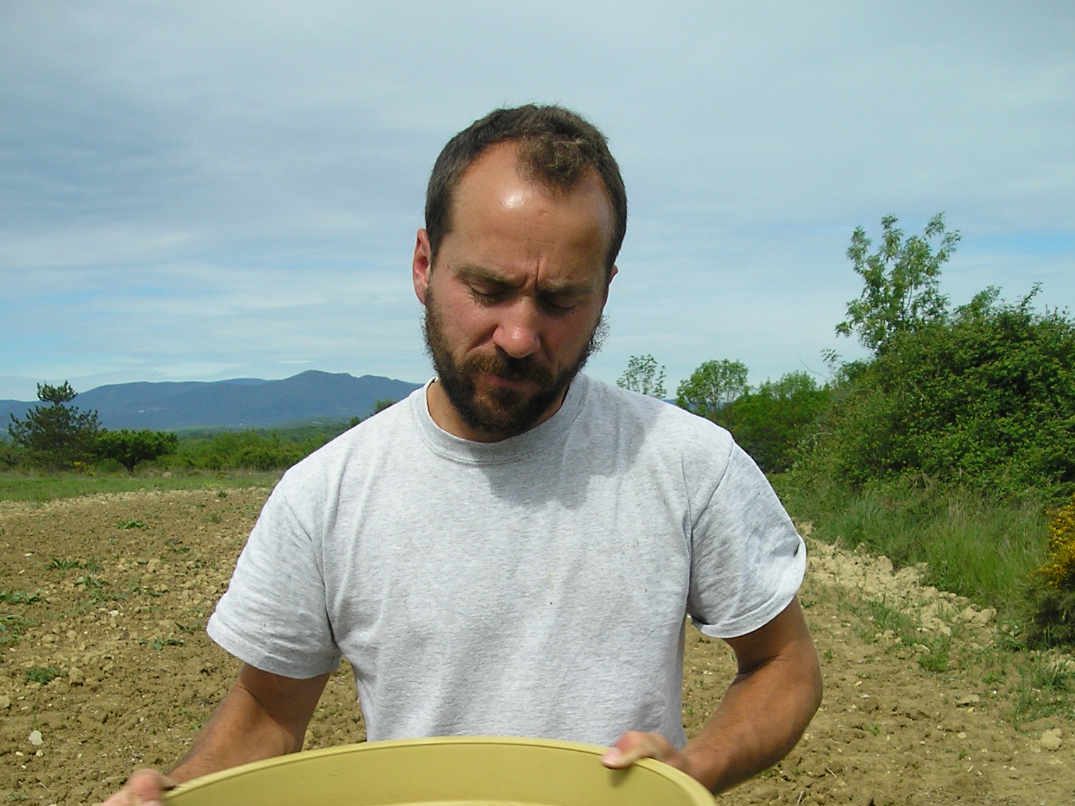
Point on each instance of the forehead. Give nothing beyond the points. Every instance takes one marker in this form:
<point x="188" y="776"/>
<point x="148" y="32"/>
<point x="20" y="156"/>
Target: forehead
<point x="496" y="206"/>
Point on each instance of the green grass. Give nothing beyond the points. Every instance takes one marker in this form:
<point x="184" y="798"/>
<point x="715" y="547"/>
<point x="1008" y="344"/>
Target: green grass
<point x="888" y="618"/>
<point x="99" y="591"/>
<point x="67" y="564"/>
<point x="936" y="654"/>
<point x="12" y="626"/>
<point x="933" y="651"/>
<point x="40" y="487"/>
<point x="19" y="597"/>
<point x="984" y="550"/>
<point x="42" y="674"/>
<point x="1049" y="674"/>
<point x="1029" y="685"/>
<point x="1045" y="688"/>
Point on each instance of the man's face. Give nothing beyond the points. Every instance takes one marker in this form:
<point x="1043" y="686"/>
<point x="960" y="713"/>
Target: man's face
<point x="513" y="304"/>
<point x="505" y="410"/>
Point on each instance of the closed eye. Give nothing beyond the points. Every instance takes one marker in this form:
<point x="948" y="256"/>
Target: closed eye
<point x="555" y="303"/>
<point x="558" y="306"/>
<point x="488" y="296"/>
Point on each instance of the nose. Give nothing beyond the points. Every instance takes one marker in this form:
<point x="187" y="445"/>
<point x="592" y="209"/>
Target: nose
<point x="517" y="332"/>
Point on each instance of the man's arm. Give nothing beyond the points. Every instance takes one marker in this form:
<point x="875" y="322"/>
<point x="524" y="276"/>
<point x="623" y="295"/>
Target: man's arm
<point x="761" y="716"/>
<point x="263" y="715"/>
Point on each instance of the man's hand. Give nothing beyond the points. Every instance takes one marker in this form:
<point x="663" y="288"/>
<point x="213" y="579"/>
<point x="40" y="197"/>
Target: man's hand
<point x="263" y="715"/>
<point x="635" y="745"/>
<point x="143" y="788"/>
<point x="760" y="718"/>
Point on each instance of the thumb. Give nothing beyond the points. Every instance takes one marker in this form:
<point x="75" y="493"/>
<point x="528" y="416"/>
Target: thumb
<point x="635" y="745"/>
<point x="148" y="786"/>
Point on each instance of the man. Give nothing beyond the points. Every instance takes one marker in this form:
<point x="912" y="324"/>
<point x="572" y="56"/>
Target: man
<point x="513" y="549"/>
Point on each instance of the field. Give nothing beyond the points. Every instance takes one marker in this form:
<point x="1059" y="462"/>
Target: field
<point x="104" y="666"/>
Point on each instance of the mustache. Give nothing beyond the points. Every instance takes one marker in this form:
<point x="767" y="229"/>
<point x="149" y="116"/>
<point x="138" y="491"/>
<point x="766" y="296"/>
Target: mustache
<point x="509" y="368"/>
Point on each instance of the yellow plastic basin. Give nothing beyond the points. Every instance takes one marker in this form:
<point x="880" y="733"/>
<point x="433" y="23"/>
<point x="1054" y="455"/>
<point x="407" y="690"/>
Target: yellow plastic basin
<point x="461" y="771"/>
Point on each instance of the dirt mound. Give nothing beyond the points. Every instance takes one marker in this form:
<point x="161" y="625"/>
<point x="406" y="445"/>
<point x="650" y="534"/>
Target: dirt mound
<point x="104" y="666"/>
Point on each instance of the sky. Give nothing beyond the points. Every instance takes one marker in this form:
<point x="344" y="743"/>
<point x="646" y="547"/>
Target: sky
<point x="205" y="190"/>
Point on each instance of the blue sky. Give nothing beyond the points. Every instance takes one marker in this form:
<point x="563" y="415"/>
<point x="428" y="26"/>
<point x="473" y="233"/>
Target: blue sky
<point x="197" y="191"/>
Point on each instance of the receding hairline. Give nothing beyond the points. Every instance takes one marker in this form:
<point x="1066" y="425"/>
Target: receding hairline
<point x="559" y="142"/>
<point x="526" y="170"/>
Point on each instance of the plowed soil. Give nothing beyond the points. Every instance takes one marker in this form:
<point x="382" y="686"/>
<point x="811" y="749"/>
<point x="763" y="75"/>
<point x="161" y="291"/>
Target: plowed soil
<point x="105" y="666"/>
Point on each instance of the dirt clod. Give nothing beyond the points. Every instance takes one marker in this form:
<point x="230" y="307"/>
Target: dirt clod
<point x="1052" y="739"/>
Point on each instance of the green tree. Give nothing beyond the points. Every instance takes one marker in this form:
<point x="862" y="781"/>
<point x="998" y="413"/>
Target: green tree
<point x="643" y="375"/>
<point x="984" y="398"/>
<point x="56" y="435"/>
<point x="900" y="281"/>
<point x="131" y="447"/>
<point x="711" y="387"/>
<point x="248" y="449"/>
<point x="10" y="454"/>
<point x="769" y="422"/>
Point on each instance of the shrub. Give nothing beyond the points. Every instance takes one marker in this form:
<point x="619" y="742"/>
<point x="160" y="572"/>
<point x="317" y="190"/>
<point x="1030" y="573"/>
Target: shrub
<point x="10" y="455"/>
<point x="42" y="674"/>
<point x="108" y="466"/>
<point x="768" y="422"/>
<point x="1053" y="590"/>
<point x="1059" y="570"/>
<point x="984" y="398"/>
<point x="131" y="447"/>
<point x="250" y="450"/>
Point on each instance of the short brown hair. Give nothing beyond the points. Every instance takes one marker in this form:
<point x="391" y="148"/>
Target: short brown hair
<point x="556" y="146"/>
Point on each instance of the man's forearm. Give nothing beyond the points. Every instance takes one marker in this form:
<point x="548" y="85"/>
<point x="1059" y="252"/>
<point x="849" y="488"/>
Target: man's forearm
<point x="238" y="732"/>
<point x="263" y="715"/>
<point x="763" y="713"/>
<point x="761" y="717"/>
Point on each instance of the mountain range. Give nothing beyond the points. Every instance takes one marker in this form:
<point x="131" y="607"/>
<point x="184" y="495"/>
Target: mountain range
<point x="238" y="403"/>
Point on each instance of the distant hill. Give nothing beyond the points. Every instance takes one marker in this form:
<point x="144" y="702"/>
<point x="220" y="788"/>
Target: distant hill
<point x="237" y="403"/>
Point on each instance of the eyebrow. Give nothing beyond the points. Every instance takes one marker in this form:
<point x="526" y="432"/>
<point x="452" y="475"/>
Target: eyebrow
<point x="552" y="288"/>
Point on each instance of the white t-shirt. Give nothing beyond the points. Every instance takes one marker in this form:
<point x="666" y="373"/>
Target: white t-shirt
<point x="535" y="586"/>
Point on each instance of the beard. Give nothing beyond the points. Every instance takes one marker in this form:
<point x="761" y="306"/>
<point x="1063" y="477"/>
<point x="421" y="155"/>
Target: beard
<point x="503" y="411"/>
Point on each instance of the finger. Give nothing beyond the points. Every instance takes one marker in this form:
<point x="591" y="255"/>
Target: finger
<point x="635" y="745"/>
<point x="121" y="798"/>
<point x="145" y="788"/>
<point x="125" y="797"/>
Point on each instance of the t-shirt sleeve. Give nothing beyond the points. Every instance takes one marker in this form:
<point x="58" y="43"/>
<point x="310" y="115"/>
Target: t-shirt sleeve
<point x="747" y="560"/>
<point x="273" y="615"/>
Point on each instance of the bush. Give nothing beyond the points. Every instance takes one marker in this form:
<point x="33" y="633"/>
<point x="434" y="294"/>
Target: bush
<point x="1059" y="571"/>
<point x="983" y="399"/>
<point x="128" y="448"/>
<point x="249" y="450"/>
<point x="1053" y="618"/>
<point x="108" y="466"/>
<point x="769" y="421"/>
<point x="11" y="455"/>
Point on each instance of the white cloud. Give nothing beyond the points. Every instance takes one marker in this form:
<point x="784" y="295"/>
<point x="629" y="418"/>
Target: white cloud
<point x="216" y="188"/>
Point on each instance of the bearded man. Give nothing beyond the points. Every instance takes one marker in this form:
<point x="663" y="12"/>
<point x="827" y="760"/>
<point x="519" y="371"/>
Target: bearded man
<point x="515" y="547"/>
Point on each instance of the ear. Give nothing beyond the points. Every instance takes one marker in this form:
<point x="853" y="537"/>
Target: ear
<point x="421" y="265"/>
<point x="611" y="275"/>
